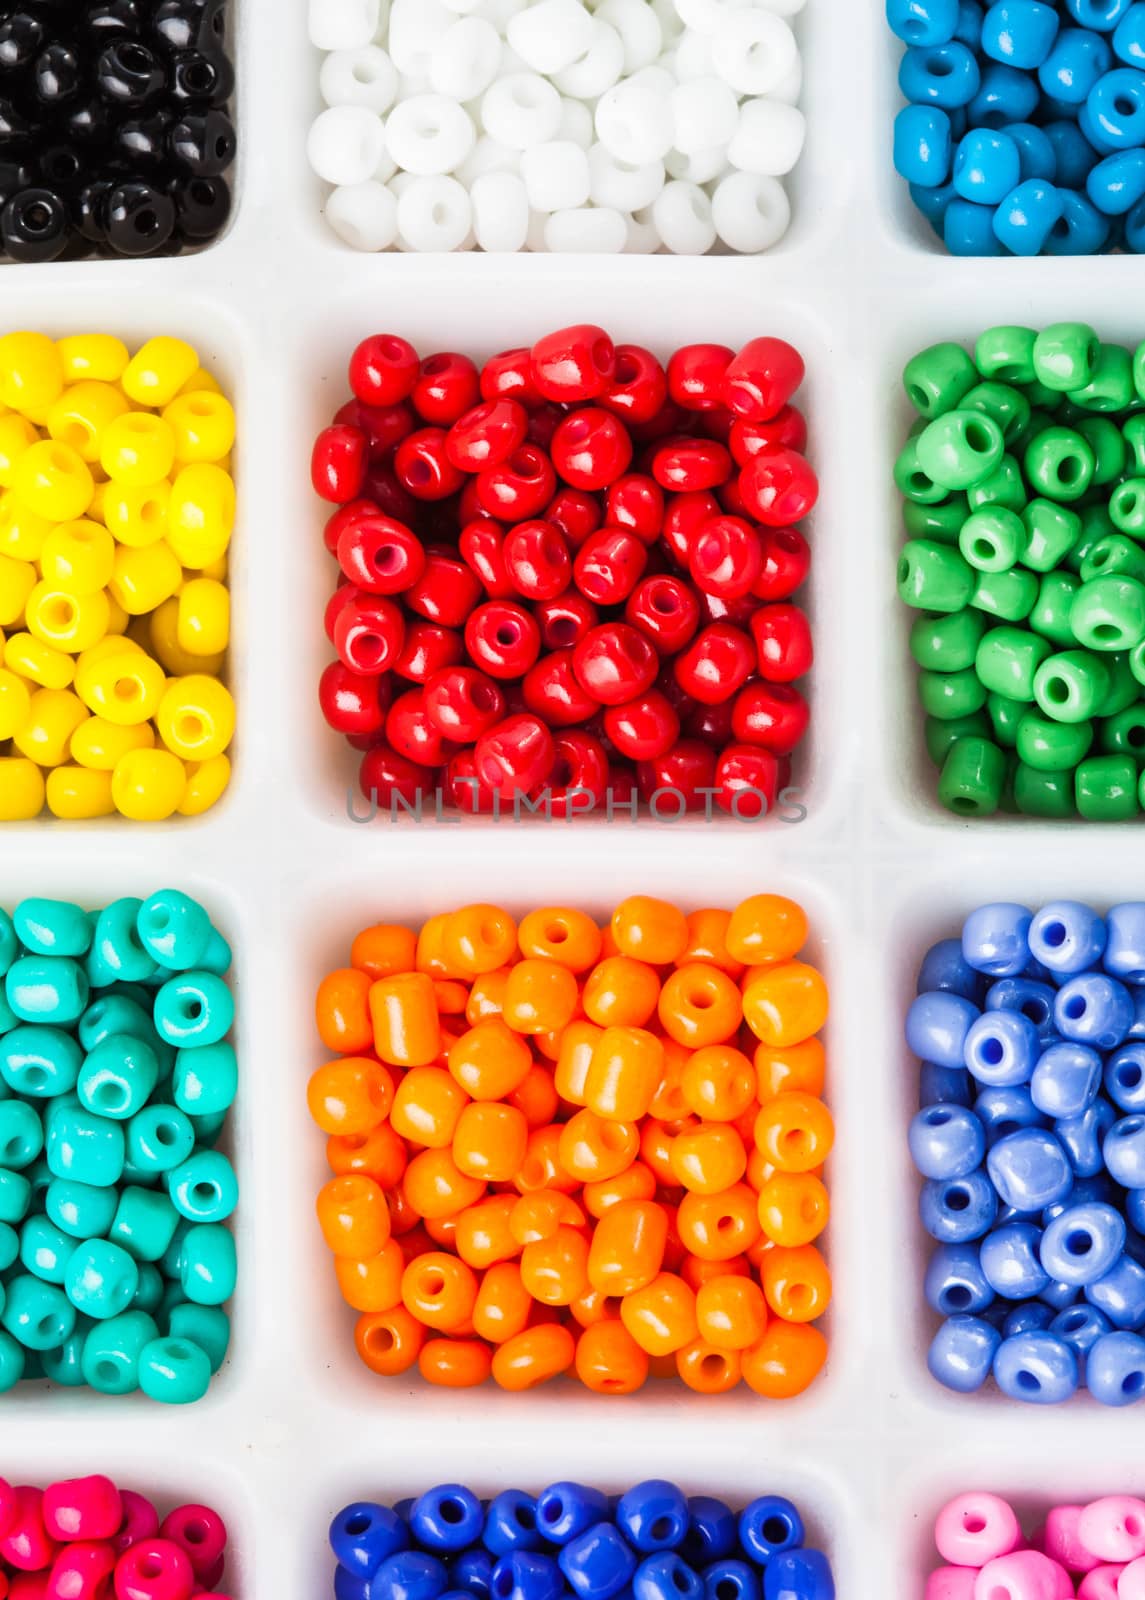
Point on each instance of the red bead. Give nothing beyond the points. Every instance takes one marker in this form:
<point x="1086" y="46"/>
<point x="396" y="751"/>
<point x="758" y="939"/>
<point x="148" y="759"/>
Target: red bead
<point x="731" y="500"/>
<point x="446" y="592"/>
<point x="486" y="434"/>
<point x="738" y="612"/>
<point x="380" y="555"/>
<point x="609" y="565"/>
<point x="351" y="703"/>
<point x="386" y="775"/>
<point x="537" y="560"/>
<point x="573" y="364"/>
<point x="576" y="513"/>
<point x="427" y="649"/>
<point x="636" y="502"/>
<point x="778" y="487"/>
<point x="747" y="779"/>
<point x="462" y="702"/>
<point x="338" y="463"/>
<point x="773" y="715"/>
<point x="696" y="373"/>
<point x="678" y="777"/>
<point x="345" y="517"/>
<point x="786" y="563"/>
<point x="639" y="385"/>
<point x="762" y="378"/>
<point x="716" y="663"/>
<point x="514" y="756"/>
<point x="670" y="419"/>
<point x="509" y="376"/>
<point x="423" y="466"/>
<point x="684" y="515"/>
<point x="518" y="488"/>
<point x="685" y="465"/>
<point x="787" y="430"/>
<point x="579" y="776"/>
<point x="447" y="387"/>
<point x="712" y="724"/>
<point x="464" y="789"/>
<point x="387" y="495"/>
<point x="782" y="637"/>
<point x="384" y="426"/>
<point x="383" y="369"/>
<point x="482" y="545"/>
<point x="81" y="1571"/>
<point x="643" y="728"/>
<point x="565" y="621"/>
<point x="591" y="448"/>
<point x="614" y="663"/>
<point x="368" y="634"/>
<point x="552" y="690"/>
<point x="715" y="423"/>
<point x="502" y="639"/>
<point x="343" y="596"/>
<point x="665" y="610"/>
<point x="412" y="732"/>
<point x="726" y="557"/>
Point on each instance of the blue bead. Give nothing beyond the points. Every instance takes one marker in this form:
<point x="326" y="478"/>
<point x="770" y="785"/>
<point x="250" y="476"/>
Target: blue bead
<point x="1082" y="1137"/>
<point x="1003" y="1111"/>
<point x="1029" y="1169"/>
<point x="653" y="1515"/>
<point x="473" y="1570"/>
<point x="1001" y="1049"/>
<point x="1129" y="37"/>
<point x="731" y="1580"/>
<point x="946" y="75"/>
<point x="1080" y="1327"/>
<point x="1081" y="1245"/>
<point x="1029" y="1318"/>
<point x="943" y="1086"/>
<point x="666" y="1576"/>
<point x="1100" y="15"/>
<point x="448" y="1517"/>
<point x="1034" y="1000"/>
<point x="798" y="1575"/>
<point x="968" y="229"/>
<point x="994" y="939"/>
<point x="402" y="1508"/>
<point x="922" y="145"/>
<point x="1120" y="1293"/>
<point x="933" y="204"/>
<point x="1115" y="1369"/>
<point x="712" y="1531"/>
<point x="1035" y="152"/>
<point x="1004" y="95"/>
<point x="511" y="1523"/>
<point x="1019" y="32"/>
<point x="409" y="1575"/>
<point x="768" y="1526"/>
<point x="1081" y="229"/>
<point x="1009" y="1261"/>
<point x="1060" y="1295"/>
<point x="1098" y="1188"/>
<point x="958" y="1210"/>
<point x="1075" y="155"/>
<point x="1135" y="1209"/>
<point x="1067" y="937"/>
<point x="970" y="19"/>
<point x="1137" y="1031"/>
<point x="1078" y="59"/>
<point x="350" y="1585"/>
<point x="1124" y="1151"/>
<point x="1066" y="1080"/>
<point x="1117" y="183"/>
<point x="937" y="1025"/>
<point x="1113" y="117"/>
<point x="946" y="1141"/>
<point x="1124" y="1077"/>
<point x="1092" y="1008"/>
<point x="529" y="1575"/>
<point x="566" y="1509"/>
<point x="954" y="1281"/>
<point x="944" y="967"/>
<point x="923" y="22"/>
<point x="597" y="1564"/>
<point x="1040" y="1368"/>
<point x="1125" y="946"/>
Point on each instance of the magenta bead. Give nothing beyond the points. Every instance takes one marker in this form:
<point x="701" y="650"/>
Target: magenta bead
<point x="1101" y="1583"/>
<point x="27" y="1586"/>
<point x="1114" y="1528"/>
<point x="27" y="1545"/>
<point x="951" y="1583"/>
<point x="140" y="1520"/>
<point x="202" y="1536"/>
<point x="1063" y="1541"/>
<point x="81" y="1571"/>
<point x="82" y="1508"/>
<point x="7" y="1506"/>
<point x="975" y="1528"/>
<point x="1020" y="1575"/>
<point x="154" y="1569"/>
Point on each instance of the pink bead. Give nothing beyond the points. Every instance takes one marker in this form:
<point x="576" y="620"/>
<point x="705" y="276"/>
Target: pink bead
<point x="140" y="1521"/>
<point x="27" y="1546"/>
<point x="1100" y="1584"/>
<point x="27" y="1586"/>
<point x="951" y="1583"/>
<point x="7" y="1506"/>
<point x="83" y="1508"/>
<point x="975" y="1528"/>
<point x="154" y="1569"/>
<point x="1063" y="1540"/>
<point x="1021" y="1575"/>
<point x="1131" y="1584"/>
<point x="1114" y="1528"/>
<point x="81" y="1571"/>
<point x="202" y="1535"/>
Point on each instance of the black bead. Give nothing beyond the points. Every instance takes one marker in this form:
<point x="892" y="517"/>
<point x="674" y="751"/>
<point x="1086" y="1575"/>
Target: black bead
<point x="203" y="206"/>
<point x="203" y="145"/>
<point x="61" y="166"/>
<point x="14" y="176"/>
<point x="196" y="79"/>
<point x="88" y="123"/>
<point x="129" y="73"/>
<point x="58" y="76"/>
<point x="110" y="19"/>
<point x="34" y="225"/>
<point x="88" y="210"/>
<point x="22" y="37"/>
<point x="190" y="24"/>
<point x="140" y="143"/>
<point x="140" y="219"/>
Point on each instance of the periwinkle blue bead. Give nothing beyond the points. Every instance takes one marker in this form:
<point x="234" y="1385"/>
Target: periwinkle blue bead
<point x="1019" y="32"/>
<point x="731" y="1580"/>
<point x="986" y="166"/>
<point x="597" y="1564"/>
<point x="1082" y="1244"/>
<point x="946" y="1141"/>
<point x="968" y="229"/>
<point x="1129" y="37"/>
<point x="52" y="927"/>
<point x="936" y="1027"/>
<point x="1124" y="956"/>
<point x="1124" y="1151"/>
<point x="922" y="145"/>
<point x="1034" y="1000"/>
<point x="959" y="1210"/>
<point x="1094" y="1009"/>
<point x="1120" y="1293"/>
<point x="565" y="1509"/>
<point x="955" y="1282"/>
<point x="1117" y="183"/>
<point x="943" y="75"/>
<point x="994" y="939"/>
<point x="39" y="1062"/>
<point x="1082" y="1137"/>
<point x="1001" y="1049"/>
<point x="362" y="1535"/>
<point x="511" y="1523"/>
<point x="1031" y="1317"/>
<point x="712" y="1532"/>
<point x="1038" y="1367"/>
<point x="1078" y="59"/>
<point x="447" y="1518"/>
<point x="1066" y="1080"/>
<point x="943" y="1085"/>
<point x="1067" y="936"/>
<point x="1113" y="117"/>
<point x="653" y="1515"/>
<point x="798" y="1575"/>
<point x="1009" y="1262"/>
<point x="1029" y="1169"/>
<point x="1115" y="1368"/>
<point x="944" y="967"/>
<point x="1059" y="1295"/>
<point x="666" y="1576"/>
<point x="923" y="22"/>
<point x="1003" y="1111"/>
<point x="529" y="1575"/>
<point x="409" y="1575"/>
<point x="1081" y="1327"/>
<point x="1124" y="1077"/>
<point x="1035" y="152"/>
<point x="473" y="1570"/>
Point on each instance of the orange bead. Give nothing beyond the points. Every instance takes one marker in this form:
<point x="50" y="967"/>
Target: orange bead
<point x="535" y="1097"/>
<point x="621" y="993"/>
<point x="533" y="1356"/>
<point x="661" y="1317"/>
<point x="707" y="941"/>
<point x="429" y="956"/>
<point x="478" y="939"/>
<point x="717" y="1226"/>
<point x="649" y="930"/>
<point x="786" y="1004"/>
<point x="786" y="1360"/>
<point x="797" y="1066"/>
<point x="556" y="933"/>
<point x="797" y="1283"/>
<point x="489" y="1061"/>
<point x="627" y="1249"/>
<point x="435" y="1188"/>
<point x="595" y="1306"/>
<point x="708" y="1159"/>
<point x="490" y="1140"/>
<point x="731" y="1312"/>
<point x="439" y="1290"/>
<point x="718" y="1083"/>
<point x="540" y="996"/>
<point x="759" y="1168"/>
<point x="795" y="1132"/>
<point x="407" y="1030"/>
<point x="624" y="1073"/>
<point x="353" y="1216"/>
<point x="484" y="1236"/>
<point x="384" y="949"/>
<point x="706" y="1369"/>
<point x="427" y="1107"/>
<point x="538" y="1216"/>
<point x="578" y="1041"/>
<point x="443" y="1231"/>
<point x="656" y="1141"/>
<point x="389" y="1341"/>
<point x="501" y="1310"/>
<point x="380" y="1154"/>
<point x="591" y="1148"/>
<point x="455" y="1363"/>
<point x="699" y="1005"/>
<point x="793" y="1208"/>
<point x="350" y="1096"/>
<point x="756" y="1253"/>
<point x="342" y="1012"/>
<point x="405" y="1222"/>
<point x="766" y="928"/>
<point x="452" y="997"/>
<point x="548" y="1044"/>
<point x="487" y="996"/>
<point x="637" y="1182"/>
<point x="541" y="1168"/>
<point x="695" y="1271"/>
<point x="555" y="1270"/>
<point x="662" y="1367"/>
<point x="374" y="1283"/>
<point x="609" y="1361"/>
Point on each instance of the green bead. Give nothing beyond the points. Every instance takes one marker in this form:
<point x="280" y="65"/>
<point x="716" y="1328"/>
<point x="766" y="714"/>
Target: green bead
<point x="1105" y="788"/>
<point x="206" y="1080"/>
<point x="1104" y="439"/>
<point x="1124" y="733"/>
<point x="1137" y="662"/>
<point x="45" y="1250"/>
<point x="1009" y="596"/>
<point x="145" y="1222"/>
<point x="40" y="1063"/>
<point x="52" y="927"/>
<point x="933" y="577"/>
<point x="1109" y="614"/>
<point x="39" y="1315"/>
<point x="9" y="944"/>
<point x="1050" y="533"/>
<point x="1048" y="746"/>
<point x="1095" y="526"/>
<point x="1114" y="556"/>
<point x="118" y="1076"/>
<point x="117" y="954"/>
<point x="207" y="1326"/>
<point x="174" y="930"/>
<point x="11" y="1363"/>
<point x="21" y="1135"/>
<point x="1139" y="371"/>
<point x="1133" y="432"/>
<point x="960" y="448"/>
<point x="196" y="1008"/>
<point x="80" y="1209"/>
<point x="218" y="955"/>
<point x="113" y="1013"/>
<point x="113" y="1349"/>
<point x="64" y="1366"/>
<point x="48" y="989"/>
<point x="1043" y="794"/>
<point x="1006" y="405"/>
<point x="15" y="1192"/>
<point x="9" y="1249"/>
<point x="175" y="1371"/>
<point x="912" y="481"/>
<point x="86" y="1147"/>
<point x="1110" y="388"/>
<point x="207" y="1266"/>
<point x="935" y="380"/>
<point x="1004" y="486"/>
<point x="101" y="1279"/>
<point x="950" y="694"/>
<point x="1127" y="507"/>
<point x="159" y="1138"/>
<point x="1005" y="715"/>
<point x="1123" y="687"/>
<point x="941" y="522"/>
<point x="940" y="736"/>
<point x="204" y="1188"/>
<point x="1059" y="464"/>
<point x="1066" y="356"/>
<point x="1007" y="660"/>
<point x="1070" y="686"/>
<point x="939" y="643"/>
<point x="992" y="540"/>
<point x="972" y="778"/>
<point x="1007" y="354"/>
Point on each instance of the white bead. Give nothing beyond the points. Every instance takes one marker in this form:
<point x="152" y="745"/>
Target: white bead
<point x="634" y="122"/>
<point x="434" y="214"/>
<point x="616" y="183"/>
<point x="551" y="34"/>
<point x="346" y="144"/>
<point x="510" y="61"/>
<point x="595" y="230"/>
<point x="706" y="15"/>
<point x="639" y="29"/>
<point x="669" y="19"/>
<point x="363" y="215"/>
<point x="500" y="211"/>
<point x="783" y="8"/>
<point x="342" y="24"/>
<point x="555" y="175"/>
<point x="693" y="57"/>
<point x="753" y="51"/>
<point x="463" y="8"/>
<point x="465" y="59"/>
<point x="682" y="214"/>
<point x="790" y="88"/>
<point x="597" y="69"/>
<point x="487" y="155"/>
<point x="701" y="166"/>
<point x="521" y="110"/>
<point x="659" y="78"/>
<point x="364" y="77"/>
<point x="643" y="237"/>
<point x="769" y="138"/>
<point x="535" y="232"/>
<point x="500" y="12"/>
<point x="704" y="112"/>
<point x="751" y="213"/>
<point x="576" y="123"/>
<point x="415" y="27"/>
<point x="411" y="84"/>
<point x="429" y="134"/>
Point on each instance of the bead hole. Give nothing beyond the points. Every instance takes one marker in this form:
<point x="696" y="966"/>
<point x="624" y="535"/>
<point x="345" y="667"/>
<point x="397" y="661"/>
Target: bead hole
<point x="1075" y="1007"/>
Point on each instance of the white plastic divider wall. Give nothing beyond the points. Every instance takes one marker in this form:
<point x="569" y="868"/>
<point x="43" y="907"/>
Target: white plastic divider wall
<point x="293" y="1426"/>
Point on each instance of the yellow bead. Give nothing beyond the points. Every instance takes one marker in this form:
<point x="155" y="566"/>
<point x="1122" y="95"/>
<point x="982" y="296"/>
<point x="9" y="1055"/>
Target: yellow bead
<point x="76" y="794"/>
<point x="204" y="618"/>
<point x="196" y="717"/>
<point x="100" y="356"/>
<point x="53" y="481"/>
<point x="201" y="381"/>
<point x="137" y="448"/>
<point x="206" y="784"/>
<point x="102" y="744"/>
<point x="201" y="514"/>
<point x="158" y="370"/>
<point x="124" y="687"/>
<point x="117" y="617"/>
<point x="100" y="652"/>
<point x="16" y="434"/>
<point x="218" y="570"/>
<point x="82" y="414"/>
<point x="163" y="638"/>
<point x="203" y="424"/>
<point x="21" y="790"/>
<point x="71" y="622"/>
<point x="15" y="702"/>
<point x="143" y="579"/>
<point x="78" y="557"/>
<point x="31" y="372"/>
<point x="42" y="663"/>
<point x="148" y="785"/>
<point x="17" y="580"/>
<point x="53" y="716"/>
<point x="22" y="533"/>
<point x="137" y="516"/>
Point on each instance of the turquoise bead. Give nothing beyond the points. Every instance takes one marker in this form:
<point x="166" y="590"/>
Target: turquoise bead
<point x="45" y="1250"/>
<point x="204" y="1189"/>
<point x="207" y="1326"/>
<point x="149" y="1295"/>
<point x="174" y="930"/>
<point x="9" y="944"/>
<point x="65" y="1364"/>
<point x="117" y="954"/>
<point x="39" y="1176"/>
<point x="39" y="1062"/>
<point x="11" y="1363"/>
<point x="101" y="1279"/>
<point x="145" y="1223"/>
<point x="217" y="957"/>
<point x="112" y="1351"/>
<point x="52" y="927"/>
<point x="8" y="1019"/>
<point x="175" y="1371"/>
<point x="194" y="1009"/>
<point x="15" y="1195"/>
<point x="21" y="1135"/>
<point x="9" y="1247"/>
<point x="39" y="1315"/>
<point x="207" y="1264"/>
<point x="158" y="1139"/>
<point x="173" y="1296"/>
<point x="46" y="989"/>
<point x="172" y="1262"/>
<point x="206" y="1079"/>
<point x="113" y="1013"/>
<point x="208" y="1128"/>
<point x="86" y="1147"/>
<point x="80" y="1209"/>
<point x="118" y="1076"/>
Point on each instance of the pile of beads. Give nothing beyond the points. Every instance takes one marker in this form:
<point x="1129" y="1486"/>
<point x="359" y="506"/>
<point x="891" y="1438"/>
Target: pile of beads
<point x="572" y="1541"/>
<point x="116" y="509"/>
<point x="568" y="574"/>
<point x="113" y="128"/>
<point x="585" y="125"/>
<point x="1031" y="1140"/>
<point x="1096" y="1551"/>
<point x="553" y="1151"/>
<point x="1024" y="482"/>
<point x="1025" y="134"/>
<point x="115" y="1081"/>
<point x="84" y="1537"/>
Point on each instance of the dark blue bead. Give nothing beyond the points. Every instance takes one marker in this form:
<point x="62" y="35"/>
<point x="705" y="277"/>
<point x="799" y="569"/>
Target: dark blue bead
<point x="666" y="1576"/>
<point x="1067" y="936"/>
<point x="994" y="939"/>
<point x="1080" y="1327"/>
<point x="1040" y="1368"/>
<point x="936" y="1027"/>
<point x="968" y="229"/>
<point x="1074" y="65"/>
<point x="1066" y="1080"/>
<point x="1099" y="1188"/>
<point x="566" y="1509"/>
<point x="1034" y="1000"/>
<point x="962" y="1353"/>
<point x="946" y="1142"/>
<point x="511" y="1523"/>
<point x="597" y="1564"/>
<point x="409" y="1575"/>
<point x="961" y="1209"/>
<point x="731" y="1580"/>
<point x="1029" y="1169"/>
<point x="923" y="22"/>
<point x="350" y="1585"/>
<point x="1120" y="1293"/>
<point x="711" y="1531"/>
<point x="653" y="1515"/>
<point x="943" y="1085"/>
<point x="1029" y="1318"/>
<point x="946" y="75"/>
<point x="1003" y="1111"/>
<point x="769" y="1525"/>
<point x="362" y="1535"/>
<point x="402" y="1508"/>
<point x="527" y="1575"/>
<point x="472" y="1570"/>
<point x="1137" y="1031"/>
<point x="1004" y="95"/>
<point x="922" y="145"/>
<point x="955" y="1283"/>
<point x="1019" y="32"/>
<point x="799" y="1575"/>
<point x="1124" y="1151"/>
<point x="1092" y="1008"/>
<point x="448" y="1517"/>
<point x="1002" y="1049"/>
<point x="1125" y="947"/>
<point x="1113" y="116"/>
<point x="1115" y="1369"/>
<point x="1035" y="152"/>
<point x="1081" y="230"/>
<point x="1082" y="1244"/>
<point x="1100" y="15"/>
<point x="1008" y="1258"/>
<point x="945" y="967"/>
<point x="970" y="19"/>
